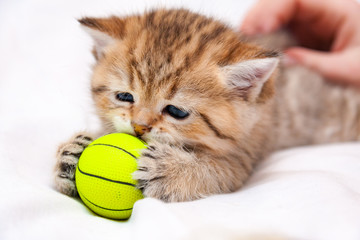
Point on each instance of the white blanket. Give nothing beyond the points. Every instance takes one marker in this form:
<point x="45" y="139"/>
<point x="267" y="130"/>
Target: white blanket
<point x="303" y="193"/>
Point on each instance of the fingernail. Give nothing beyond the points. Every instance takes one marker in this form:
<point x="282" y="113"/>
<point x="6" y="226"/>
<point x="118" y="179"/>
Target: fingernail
<point x="267" y="27"/>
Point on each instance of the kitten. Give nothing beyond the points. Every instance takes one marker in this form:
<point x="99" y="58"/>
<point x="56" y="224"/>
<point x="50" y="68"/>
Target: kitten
<point x="209" y="104"/>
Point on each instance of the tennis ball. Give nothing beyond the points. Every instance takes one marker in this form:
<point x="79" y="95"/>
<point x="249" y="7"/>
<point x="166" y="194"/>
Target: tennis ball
<point x="103" y="175"/>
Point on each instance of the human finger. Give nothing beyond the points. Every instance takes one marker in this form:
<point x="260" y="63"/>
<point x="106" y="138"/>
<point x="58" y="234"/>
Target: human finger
<point x="341" y="67"/>
<point x="267" y="16"/>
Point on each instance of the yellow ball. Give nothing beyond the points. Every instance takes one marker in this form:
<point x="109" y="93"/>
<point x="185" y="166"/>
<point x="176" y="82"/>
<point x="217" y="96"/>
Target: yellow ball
<point x="103" y="175"/>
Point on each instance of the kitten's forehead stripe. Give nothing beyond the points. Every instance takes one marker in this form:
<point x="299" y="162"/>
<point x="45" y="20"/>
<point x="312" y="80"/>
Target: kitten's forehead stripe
<point x="136" y="69"/>
<point x="172" y="91"/>
<point x="129" y="68"/>
<point x="213" y="33"/>
<point x="131" y="78"/>
<point x="202" y="24"/>
<point x="169" y="57"/>
<point x="150" y="19"/>
<point x="187" y="62"/>
<point x="227" y="56"/>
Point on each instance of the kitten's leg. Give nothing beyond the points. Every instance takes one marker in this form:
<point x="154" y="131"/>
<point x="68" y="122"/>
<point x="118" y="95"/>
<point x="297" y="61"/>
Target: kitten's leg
<point x="173" y="174"/>
<point x="67" y="157"/>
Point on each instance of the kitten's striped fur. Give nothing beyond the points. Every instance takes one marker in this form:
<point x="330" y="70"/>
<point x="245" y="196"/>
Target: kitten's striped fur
<point x="202" y="67"/>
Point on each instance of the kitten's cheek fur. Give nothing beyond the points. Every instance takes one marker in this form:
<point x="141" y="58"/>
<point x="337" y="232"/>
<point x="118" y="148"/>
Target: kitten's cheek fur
<point x="123" y="126"/>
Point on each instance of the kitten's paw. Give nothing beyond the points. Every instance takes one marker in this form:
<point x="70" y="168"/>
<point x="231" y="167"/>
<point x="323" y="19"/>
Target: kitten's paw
<point x="67" y="157"/>
<point x="160" y="173"/>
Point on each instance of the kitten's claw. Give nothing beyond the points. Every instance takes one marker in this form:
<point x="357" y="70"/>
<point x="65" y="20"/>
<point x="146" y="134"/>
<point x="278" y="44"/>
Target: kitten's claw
<point x="148" y="172"/>
<point x="160" y="173"/>
<point x="67" y="157"/>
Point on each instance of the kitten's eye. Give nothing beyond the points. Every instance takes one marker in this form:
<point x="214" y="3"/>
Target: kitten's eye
<point x="175" y="112"/>
<point x="125" y="97"/>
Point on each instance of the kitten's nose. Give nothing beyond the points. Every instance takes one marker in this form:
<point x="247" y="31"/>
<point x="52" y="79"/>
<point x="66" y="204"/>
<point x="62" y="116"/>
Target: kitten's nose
<point x="140" y="129"/>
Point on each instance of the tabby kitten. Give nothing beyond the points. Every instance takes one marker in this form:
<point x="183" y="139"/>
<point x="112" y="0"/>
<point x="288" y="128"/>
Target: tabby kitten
<point x="201" y="97"/>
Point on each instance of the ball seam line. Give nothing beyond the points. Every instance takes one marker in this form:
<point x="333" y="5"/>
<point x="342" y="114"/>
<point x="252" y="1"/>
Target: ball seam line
<point x="110" y="209"/>
<point x="108" y="145"/>
<point x="106" y="179"/>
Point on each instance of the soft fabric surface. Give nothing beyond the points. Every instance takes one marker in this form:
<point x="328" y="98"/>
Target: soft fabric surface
<point x="45" y="59"/>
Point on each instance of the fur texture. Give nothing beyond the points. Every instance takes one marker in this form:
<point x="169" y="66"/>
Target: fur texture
<point x="209" y="104"/>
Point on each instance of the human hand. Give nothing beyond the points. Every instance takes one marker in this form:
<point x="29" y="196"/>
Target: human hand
<point x="328" y="32"/>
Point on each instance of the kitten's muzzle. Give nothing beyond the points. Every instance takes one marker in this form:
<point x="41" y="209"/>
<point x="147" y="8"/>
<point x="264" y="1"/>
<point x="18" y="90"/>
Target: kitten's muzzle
<point x="140" y="129"/>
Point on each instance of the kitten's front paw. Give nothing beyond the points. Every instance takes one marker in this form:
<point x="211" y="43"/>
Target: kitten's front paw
<point x="67" y="157"/>
<point x="160" y="173"/>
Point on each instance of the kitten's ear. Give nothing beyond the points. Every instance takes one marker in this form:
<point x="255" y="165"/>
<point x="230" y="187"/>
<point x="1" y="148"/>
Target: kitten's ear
<point x="248" y="78"/>
<point x="104" y="31"/>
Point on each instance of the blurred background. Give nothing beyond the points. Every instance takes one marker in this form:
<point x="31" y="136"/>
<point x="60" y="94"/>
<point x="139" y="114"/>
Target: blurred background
<point x="45" y="67"/>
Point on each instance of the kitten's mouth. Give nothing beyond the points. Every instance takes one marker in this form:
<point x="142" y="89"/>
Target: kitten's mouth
<point x="133" y="133"/>
<point x="126" y="126"/>
<point x="144" y="137"/>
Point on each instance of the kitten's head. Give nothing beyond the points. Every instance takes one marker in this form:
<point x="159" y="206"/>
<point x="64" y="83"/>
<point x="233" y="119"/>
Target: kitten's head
<point x="178" y="77"/>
